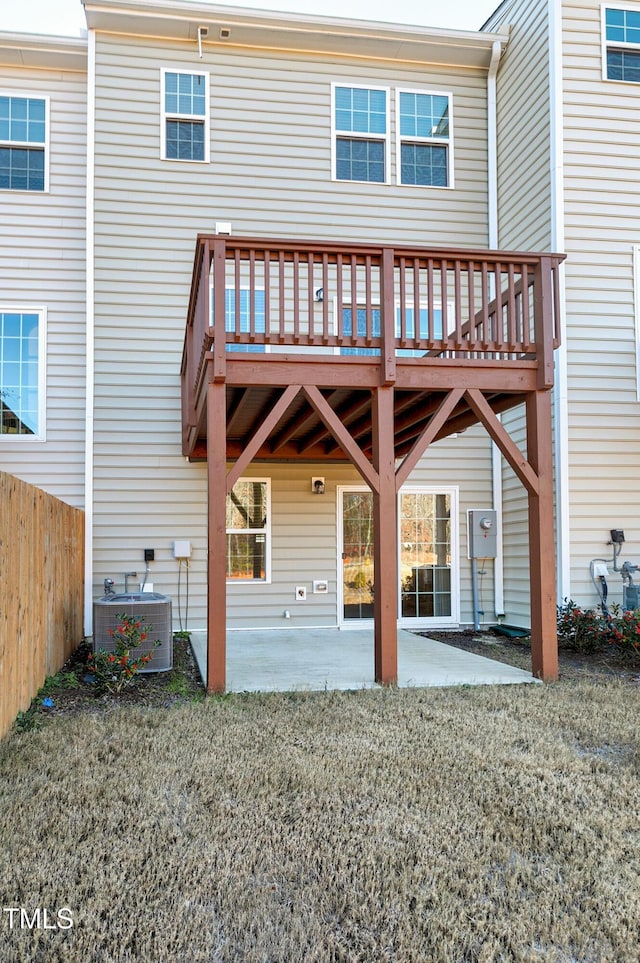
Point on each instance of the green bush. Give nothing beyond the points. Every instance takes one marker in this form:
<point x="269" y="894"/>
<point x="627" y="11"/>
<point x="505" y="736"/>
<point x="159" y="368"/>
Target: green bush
<point x="587" y="630"/>
<point x="625" y="631"/>
<point x="582" y="630"/>
<point x="114" y="671"/>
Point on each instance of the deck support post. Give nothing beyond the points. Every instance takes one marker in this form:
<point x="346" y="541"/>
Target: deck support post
<point x="544" y="632"/>
<point x="217" y="537"/>
<point x="385" y="606"/>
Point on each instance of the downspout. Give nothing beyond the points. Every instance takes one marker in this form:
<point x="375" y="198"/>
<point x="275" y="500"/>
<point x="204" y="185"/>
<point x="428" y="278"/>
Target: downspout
<point x="494" y="240"/>
<point x="90" y="338"/>
<point x="560" y="394"/>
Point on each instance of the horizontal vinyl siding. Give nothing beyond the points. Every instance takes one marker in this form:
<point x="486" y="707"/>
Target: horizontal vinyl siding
<point x="524" y="208"/>
<point x="270" y="169"/>
<point x="602" y="144"/>
<point x="523" y="131"/>
<point x="42" y="240"/>
<point x="270" y="175"/>
<point x="515" y="514"/>
<point x="304" y="533"/>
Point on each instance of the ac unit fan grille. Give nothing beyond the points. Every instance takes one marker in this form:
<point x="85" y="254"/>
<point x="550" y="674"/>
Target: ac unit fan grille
<point x="157" y="622"/>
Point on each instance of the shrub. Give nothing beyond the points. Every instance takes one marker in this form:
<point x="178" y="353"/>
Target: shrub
<point x="587" y="630"/>
<point x="116" y="670"/>
<point x="583" y="630"/>
<point x="625" y="631"/>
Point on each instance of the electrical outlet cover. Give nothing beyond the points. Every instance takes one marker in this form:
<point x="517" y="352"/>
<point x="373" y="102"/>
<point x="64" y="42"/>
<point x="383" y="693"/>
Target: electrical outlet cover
<point x="301" y="593"/>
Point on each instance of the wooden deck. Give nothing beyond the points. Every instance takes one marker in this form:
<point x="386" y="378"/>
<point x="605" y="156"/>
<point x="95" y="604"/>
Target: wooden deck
<point x="368" y="354"/>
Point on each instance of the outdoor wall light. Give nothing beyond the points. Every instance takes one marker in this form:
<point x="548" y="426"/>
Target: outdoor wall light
<point x="319" y="295"/>
<point x="317" y="486"/>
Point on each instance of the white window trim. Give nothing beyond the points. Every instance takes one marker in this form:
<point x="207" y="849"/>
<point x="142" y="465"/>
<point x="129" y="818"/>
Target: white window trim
<point x="341" y="491"/>
<point x="386" y="139"/>
<point x="454" y="494"/>
<point x="41" y="311"/>
<point x="243" y="582"/>
<point x="605" y="44"/>
<point x="164" y="116"/>
<point x="29" y="95"/>
<point x="436" y="141"/>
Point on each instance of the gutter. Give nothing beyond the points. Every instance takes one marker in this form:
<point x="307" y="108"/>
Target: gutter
<point x="90" y="335"/>
<point x="492" y="201"/>
<point x="560" y="395"/>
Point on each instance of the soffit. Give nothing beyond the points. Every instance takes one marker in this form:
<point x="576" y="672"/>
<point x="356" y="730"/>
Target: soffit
<point x="325" y="35"/>
<point x="43" y="52"/>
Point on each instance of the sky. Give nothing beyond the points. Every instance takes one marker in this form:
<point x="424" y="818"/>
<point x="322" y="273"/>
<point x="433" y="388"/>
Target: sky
<point x="66" y="17"/>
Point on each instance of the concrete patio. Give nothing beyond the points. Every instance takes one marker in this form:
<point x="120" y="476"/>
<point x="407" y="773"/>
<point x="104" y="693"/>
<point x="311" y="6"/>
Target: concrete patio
<point x="331" y="658"/>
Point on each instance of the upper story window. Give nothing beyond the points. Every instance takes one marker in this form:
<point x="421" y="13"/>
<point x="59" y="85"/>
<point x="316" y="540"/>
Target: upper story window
<point x="622" y="44"/>
<point x="23" y="143"/>
<point x="424" y="146"/>
<point x="22" y="339"/>
<point x="361" y="133"/>
<point x="185" y="120"/>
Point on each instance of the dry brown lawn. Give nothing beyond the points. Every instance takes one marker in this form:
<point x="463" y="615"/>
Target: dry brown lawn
<point x="469" y="824"/>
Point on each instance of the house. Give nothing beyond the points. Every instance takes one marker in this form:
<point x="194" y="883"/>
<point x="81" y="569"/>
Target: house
<point x="337" y="191"/>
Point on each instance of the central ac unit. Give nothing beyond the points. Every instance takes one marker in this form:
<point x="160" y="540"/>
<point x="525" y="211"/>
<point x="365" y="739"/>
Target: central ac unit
<point x="153" y="609"/>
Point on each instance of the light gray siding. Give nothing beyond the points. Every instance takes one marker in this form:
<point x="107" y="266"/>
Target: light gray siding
<point x="304" y="536"/>
<point x="602" y="190"/>
<point x="524" y="176"/>
<point x="269" y="175"/>
<point x="42" y="241"/>
<point x="524" y="219"/>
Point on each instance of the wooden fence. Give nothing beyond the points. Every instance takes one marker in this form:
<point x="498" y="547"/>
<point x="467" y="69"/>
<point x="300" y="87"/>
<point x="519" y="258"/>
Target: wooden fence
<point x="41" y="591"/>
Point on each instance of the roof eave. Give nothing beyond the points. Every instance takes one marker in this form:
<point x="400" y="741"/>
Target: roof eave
<point x="43" y="52"/>
<point x="168" y="19"/>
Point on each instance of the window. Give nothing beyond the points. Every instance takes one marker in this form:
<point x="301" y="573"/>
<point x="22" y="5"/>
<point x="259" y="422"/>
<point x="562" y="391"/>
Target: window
<point x="361" y="129"/>
<point x="423" y="139"/>
<point x="410" y="330"/>
<point x="237" y="312"/>
<point x="622" y="44"/>
<point x="361" y="126"/>
<point x="248" y="528"/>
<point x="361" y="328"/>
<point x="427" y="561"/>
<point x="22" y="338"/>
<point x="23" y="143"/>
<point x="185" y="123"/>
<point x="423" y="327"/>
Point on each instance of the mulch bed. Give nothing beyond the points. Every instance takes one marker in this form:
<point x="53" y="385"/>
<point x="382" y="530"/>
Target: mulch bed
<point x="183" y="683"/>
<point x="180" y="684"/>
<point x="605" y="663"/>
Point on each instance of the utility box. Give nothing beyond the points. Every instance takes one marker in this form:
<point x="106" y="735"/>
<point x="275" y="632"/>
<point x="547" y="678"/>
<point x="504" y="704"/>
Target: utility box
<point x="481" y="533"/>
<point x="153" y="608"/>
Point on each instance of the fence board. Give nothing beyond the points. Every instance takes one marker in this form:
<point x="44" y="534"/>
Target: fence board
<point x="41" y="591"/>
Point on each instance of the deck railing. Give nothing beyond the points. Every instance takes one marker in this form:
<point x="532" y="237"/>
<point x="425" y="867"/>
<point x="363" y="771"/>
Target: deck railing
<point x="350" y="300"/>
